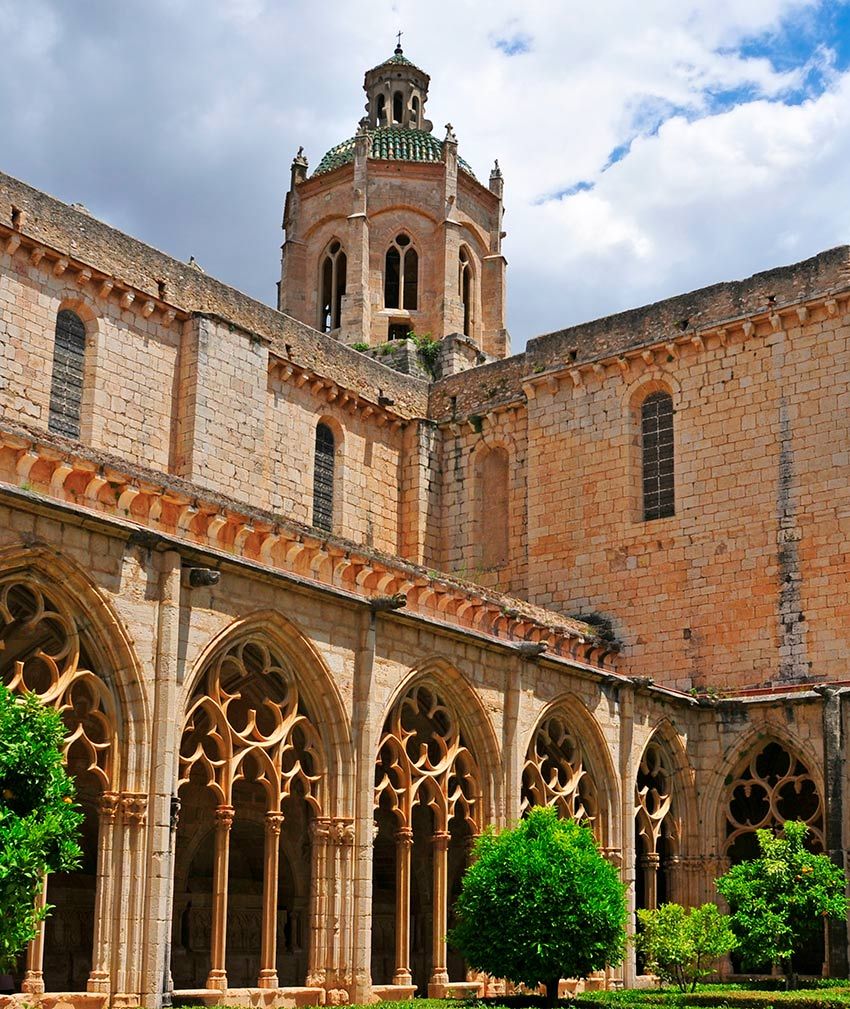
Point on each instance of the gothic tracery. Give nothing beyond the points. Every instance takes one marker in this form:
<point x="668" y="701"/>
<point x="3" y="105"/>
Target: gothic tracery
<point x="555" y="774"/>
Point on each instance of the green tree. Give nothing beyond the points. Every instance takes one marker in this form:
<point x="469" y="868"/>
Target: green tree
<point x="780" y="899"/>
<point x="540" y="903"/>
<point x="39" y="823"/>
<point x="683" y="946"/>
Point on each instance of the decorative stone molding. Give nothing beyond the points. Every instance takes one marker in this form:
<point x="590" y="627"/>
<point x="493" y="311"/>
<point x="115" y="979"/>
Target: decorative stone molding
<point x="144" y="499"/>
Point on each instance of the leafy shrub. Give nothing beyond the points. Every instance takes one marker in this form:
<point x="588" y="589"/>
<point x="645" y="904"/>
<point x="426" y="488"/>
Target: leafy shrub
<point x="38" y="821"/>
<point x="540" y="903"/>
<point x="682" y="946"/>
<point x="779" y="901"/>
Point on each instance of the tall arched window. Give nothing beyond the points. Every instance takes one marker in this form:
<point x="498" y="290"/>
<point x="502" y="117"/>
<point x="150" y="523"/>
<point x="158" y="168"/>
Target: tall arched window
<point x="414" y="113"/>
<point x="323" y="478"/>
<point x="464" y="284"/>
<point x="398" y="107"/>
<point x="401" y="275"/>
<point x="656" y="416"/>
<point x="381" y="110"/>
<point x="333" y="288"/>
<point x="66" y="386"/>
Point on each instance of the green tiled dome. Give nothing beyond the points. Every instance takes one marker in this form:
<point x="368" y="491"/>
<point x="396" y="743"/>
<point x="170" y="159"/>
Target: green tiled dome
<point x="390" y="143"/>
<point x="398" y="59"/>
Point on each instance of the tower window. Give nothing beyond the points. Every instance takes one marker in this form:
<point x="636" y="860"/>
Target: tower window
<point x="323" y="478"/>
<point x="401" y="275"/>
<point x="333" y="288"/>
<point x="465" y="290"/>
<point x="66" y="386"/>
<point x="414" y="112"/>
<point x="657" y="451"/>
<point x="398" y="107"/>
<point x="380" y="110"/>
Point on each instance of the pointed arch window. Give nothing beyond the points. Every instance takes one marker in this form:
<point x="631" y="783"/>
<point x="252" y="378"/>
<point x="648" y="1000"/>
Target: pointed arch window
<point x="401" y="275"/>
<point x="323" y="478"/>
<point x="656" y="416"/>
<point x="464" y="284"/>
<point x="333" y="277"/>
<point x="66" y="385"/>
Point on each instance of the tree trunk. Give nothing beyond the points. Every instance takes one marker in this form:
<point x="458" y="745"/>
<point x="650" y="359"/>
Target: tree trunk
<point x="552" y="992"/>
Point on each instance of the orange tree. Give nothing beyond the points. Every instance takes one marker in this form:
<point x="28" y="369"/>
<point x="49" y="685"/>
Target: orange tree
<point x="540" y="903"/>
<point x="39" y="822"/>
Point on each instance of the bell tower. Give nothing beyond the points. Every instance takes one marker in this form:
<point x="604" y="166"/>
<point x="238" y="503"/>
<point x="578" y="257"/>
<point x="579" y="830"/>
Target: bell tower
<point x="392" y="233"/>
<point x="396" y="93"/>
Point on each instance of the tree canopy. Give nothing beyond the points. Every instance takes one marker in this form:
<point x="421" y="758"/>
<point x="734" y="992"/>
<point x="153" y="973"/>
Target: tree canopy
<point x="683" y="946"/>
<point x="39" y="822"/>
<point x="780" y="899"/>
<point x="539" y="903"/>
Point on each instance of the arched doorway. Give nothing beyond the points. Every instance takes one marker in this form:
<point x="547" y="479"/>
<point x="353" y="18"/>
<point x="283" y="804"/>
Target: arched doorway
<point x="43" y="652"/>
<point x="252" y="775"/>
<point x="427" y="809"/>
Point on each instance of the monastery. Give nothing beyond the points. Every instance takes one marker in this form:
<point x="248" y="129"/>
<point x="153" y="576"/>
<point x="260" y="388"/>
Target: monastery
<point x="320" y="603"/>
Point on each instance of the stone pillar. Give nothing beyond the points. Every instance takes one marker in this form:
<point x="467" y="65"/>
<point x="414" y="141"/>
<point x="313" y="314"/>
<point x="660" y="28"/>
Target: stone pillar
<point x="628" y="774"/>
<point x="649" y="865"/>
<point x="676" y="889"/>
<point x="511" y="745"/>
<point x="163" y="810"/>
<point x="99" y="978"/>
<point x="403" y="849"/>
<point x="33" y="983"/>
<point x="268" y="955"/>
<point x="833" y="776"/>
<point x="221" y="862"/>
<point x="128" y="946"/>
<point x="439" y="974"/>
<point x="319" y="904"/>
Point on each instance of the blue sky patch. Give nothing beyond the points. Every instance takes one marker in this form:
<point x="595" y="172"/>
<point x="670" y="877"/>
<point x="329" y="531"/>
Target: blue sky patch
<point x="513" y="45"/>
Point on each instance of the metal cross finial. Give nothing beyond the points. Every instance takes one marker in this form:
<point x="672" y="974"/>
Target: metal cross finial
<point x="398" y="37"/>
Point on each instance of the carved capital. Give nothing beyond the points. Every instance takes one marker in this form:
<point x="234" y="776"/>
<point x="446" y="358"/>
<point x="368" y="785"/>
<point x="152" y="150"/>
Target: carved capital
<point x="342" y="831"/>
<point x="320" y="830"/>
<point x="404" y="837"/>
<point x="134" y="806"/>
<point x="224" y="817"/>
<point x="107" y="807"/>
<point x="441" y="840"/>
<point x="274" y="821"/>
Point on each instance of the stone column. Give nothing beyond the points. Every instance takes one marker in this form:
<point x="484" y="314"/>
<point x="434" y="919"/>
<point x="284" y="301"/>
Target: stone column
<point x="675" y="881"/>
<point x="268" y="955"/>
<point x="834" y="783"/>
<point x="130" y="899"/>
<point x="649" y="866"/>
<point x="33" y="983"/>
<point x="403" y="849"/>
<point x="439" y="974"/>
<point x="221" y="861"/>
<point x="319" y="904"/>
<point x="99" y="978"/>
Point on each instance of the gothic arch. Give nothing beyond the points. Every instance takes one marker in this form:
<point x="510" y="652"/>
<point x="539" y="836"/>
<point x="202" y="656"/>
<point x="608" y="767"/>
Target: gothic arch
<point x="453" y="687"/>
<point x="489" y="509"/>
<point x="408" y="208"/>
<point x="801" y="782"/>
<point x="65" y="581"/>
<point x="599" y="766"/>
<point x="63" y="642"/>
<point x="264" y="747"/>
<point x="337" y="220"/>
<point x="664" y="814"/>
<point x="436" y="776"/>
<point x="315" y="683"/>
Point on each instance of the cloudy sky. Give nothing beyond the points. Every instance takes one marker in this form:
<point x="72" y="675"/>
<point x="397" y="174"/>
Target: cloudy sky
<point x="648" y="148"/>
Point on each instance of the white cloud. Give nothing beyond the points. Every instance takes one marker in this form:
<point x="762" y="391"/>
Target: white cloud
<point x="178" y="120"/>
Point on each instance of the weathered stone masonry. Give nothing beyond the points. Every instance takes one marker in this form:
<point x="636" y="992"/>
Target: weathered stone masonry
<point x="286" y="734"/>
